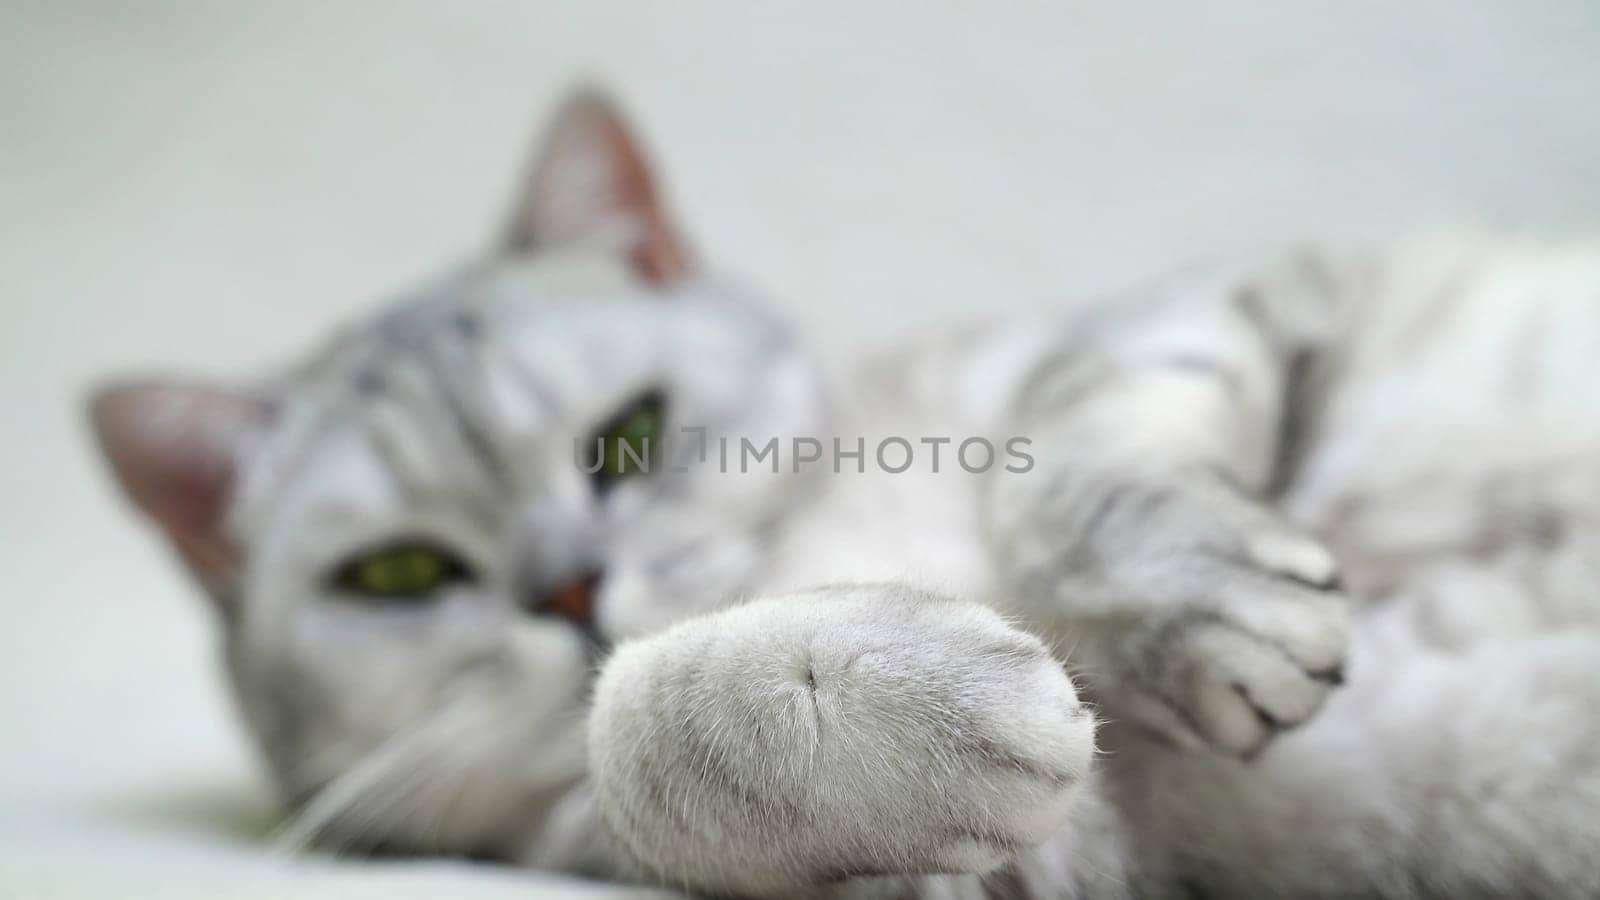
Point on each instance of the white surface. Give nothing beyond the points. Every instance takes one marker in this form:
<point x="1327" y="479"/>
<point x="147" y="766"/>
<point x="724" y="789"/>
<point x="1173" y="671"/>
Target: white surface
<point x="201" y="187"/>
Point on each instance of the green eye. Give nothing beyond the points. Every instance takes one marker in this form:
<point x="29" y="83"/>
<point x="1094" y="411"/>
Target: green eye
<point x="626" y="444"/>
<point x="399" y="571"/>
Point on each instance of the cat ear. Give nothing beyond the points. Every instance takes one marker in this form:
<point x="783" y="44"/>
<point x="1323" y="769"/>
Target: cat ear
<point x="591" y="185"/>
<point x="175" y="448"/>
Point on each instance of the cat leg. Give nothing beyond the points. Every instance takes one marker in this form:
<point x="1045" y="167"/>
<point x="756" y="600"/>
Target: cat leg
<point x="806" y="745"/>
<point x="1433" y="774"/>
<point x="1143" y="540"/>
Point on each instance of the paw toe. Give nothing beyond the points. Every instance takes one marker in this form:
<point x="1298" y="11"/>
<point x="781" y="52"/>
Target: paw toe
<point x="1295" y="557"/>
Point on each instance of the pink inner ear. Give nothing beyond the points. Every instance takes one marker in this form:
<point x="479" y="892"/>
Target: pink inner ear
<point x="592" y="185"/>
<point x="174" y="449"/>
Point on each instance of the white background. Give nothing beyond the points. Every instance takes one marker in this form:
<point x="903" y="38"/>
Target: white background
<point x="208" y="187"/>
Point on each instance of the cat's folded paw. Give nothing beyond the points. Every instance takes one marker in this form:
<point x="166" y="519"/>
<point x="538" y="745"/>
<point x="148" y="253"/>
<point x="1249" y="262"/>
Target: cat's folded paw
<point x="1194" y="609"/>
<point x="1234" y="686"/>
<point x="1254" y="651"/>
<point x="846" y="732"/>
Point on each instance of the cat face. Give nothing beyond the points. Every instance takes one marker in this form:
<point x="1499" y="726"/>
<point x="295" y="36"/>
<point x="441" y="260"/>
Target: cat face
<point x="421" y="539"/>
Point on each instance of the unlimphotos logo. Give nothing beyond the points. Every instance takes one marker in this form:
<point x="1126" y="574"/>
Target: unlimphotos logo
<point x="634" y="448"/>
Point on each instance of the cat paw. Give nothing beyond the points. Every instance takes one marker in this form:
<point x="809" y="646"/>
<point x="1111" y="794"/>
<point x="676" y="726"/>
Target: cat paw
<point x="1191" y="607"/>
<point x="845" y="732"/>
<point x="1255" y="650"/>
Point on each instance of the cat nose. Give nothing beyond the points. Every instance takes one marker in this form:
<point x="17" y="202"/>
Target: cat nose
<point x="573" y="601"/>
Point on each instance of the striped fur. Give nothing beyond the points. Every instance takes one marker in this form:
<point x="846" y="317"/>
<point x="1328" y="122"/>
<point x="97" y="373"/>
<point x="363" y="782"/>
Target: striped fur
<point x="1421" y="719"/>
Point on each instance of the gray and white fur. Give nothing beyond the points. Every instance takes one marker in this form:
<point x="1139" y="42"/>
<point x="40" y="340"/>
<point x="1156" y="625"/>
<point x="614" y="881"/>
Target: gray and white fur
<point x="1298" y="599"/>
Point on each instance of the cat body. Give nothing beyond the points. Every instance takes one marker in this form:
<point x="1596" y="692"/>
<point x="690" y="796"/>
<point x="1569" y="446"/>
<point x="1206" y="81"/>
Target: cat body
<point x="1116" y="658"/>
<point x="1474" y="572"/>
<point x="1448" y="455"/>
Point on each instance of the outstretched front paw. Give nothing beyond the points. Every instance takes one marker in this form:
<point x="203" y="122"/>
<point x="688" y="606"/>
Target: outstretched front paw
<point x="850" y="731"/>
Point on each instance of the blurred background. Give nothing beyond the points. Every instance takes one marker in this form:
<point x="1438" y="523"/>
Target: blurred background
<point x="209" y="187"/>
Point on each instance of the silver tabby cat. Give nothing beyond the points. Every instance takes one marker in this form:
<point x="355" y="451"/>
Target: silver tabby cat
<point x="1131" y="669"/>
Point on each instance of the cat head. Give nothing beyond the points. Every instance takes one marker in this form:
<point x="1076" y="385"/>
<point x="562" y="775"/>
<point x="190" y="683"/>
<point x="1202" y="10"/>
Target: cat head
<point x="419" y="539"/>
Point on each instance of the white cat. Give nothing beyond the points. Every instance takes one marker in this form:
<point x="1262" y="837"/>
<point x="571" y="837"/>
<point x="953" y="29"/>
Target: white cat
<point x="475" y="600"/>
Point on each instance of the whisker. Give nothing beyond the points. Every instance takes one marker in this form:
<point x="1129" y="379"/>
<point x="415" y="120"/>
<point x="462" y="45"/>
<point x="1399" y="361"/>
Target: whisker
<point x="367" y="779"/>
